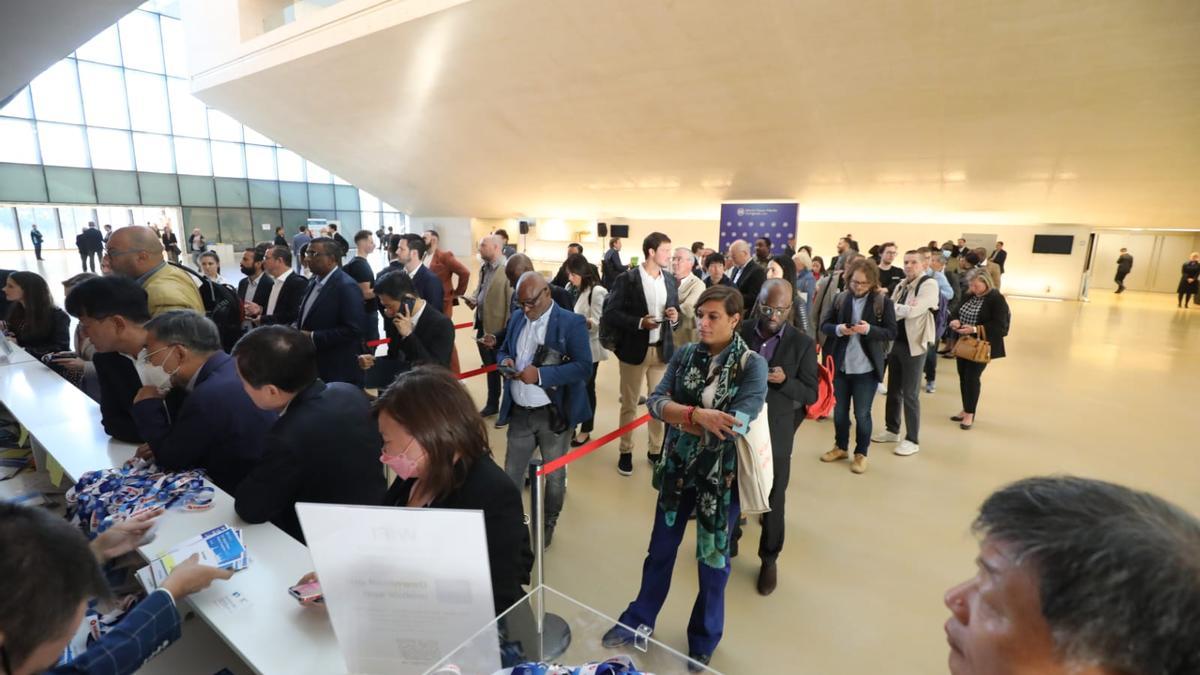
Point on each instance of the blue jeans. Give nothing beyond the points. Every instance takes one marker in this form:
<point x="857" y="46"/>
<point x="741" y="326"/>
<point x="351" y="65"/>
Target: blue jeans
<point x="861" y="388"/>
<point x="707" y="624"/>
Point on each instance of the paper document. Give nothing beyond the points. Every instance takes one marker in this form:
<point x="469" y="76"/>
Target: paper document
<point x="219" y="547"/>
<point x="404" y="587"/>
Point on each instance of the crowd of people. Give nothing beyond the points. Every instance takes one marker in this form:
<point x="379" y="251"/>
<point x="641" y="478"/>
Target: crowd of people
<point x="707" y="340"/>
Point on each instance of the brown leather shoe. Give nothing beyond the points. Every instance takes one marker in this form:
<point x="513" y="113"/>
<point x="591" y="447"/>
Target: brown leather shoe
<point x="834" y="455"/>
<point x="859" y="464"/>
<point x="767" y="579"/>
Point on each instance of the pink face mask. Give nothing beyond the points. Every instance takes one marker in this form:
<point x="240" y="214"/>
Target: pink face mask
<point x="404" y="466"/>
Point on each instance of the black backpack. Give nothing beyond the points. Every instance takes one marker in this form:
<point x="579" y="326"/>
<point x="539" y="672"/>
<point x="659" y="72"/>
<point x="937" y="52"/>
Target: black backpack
<point x="222" y="305"/>
<point x="607" y="335"/>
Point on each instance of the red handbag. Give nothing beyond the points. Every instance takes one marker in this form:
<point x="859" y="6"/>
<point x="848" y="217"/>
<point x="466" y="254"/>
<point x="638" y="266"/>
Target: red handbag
<point x="823" y="407"/>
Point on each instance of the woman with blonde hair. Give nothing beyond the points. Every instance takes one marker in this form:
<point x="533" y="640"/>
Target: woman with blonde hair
<point x="985" y="313"/>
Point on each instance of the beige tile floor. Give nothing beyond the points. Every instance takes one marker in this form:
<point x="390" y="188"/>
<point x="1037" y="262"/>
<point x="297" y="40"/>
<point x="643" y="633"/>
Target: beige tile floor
<point x="1108" y="389"/>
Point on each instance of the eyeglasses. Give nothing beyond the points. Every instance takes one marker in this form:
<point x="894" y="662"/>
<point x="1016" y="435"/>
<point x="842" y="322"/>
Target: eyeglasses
<point x="313" y="254"/>
<point x="534" y="300"/>
<point x="112" y="254"/>
<point x="768" y="311"/>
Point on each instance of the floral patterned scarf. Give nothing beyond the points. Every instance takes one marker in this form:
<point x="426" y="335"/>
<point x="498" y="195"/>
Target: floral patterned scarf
<point x="707" y="464"/>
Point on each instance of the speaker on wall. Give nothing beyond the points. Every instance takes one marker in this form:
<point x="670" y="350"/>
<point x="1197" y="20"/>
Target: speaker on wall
<point x="524" y="227"/>
<point x="601" y="229"/>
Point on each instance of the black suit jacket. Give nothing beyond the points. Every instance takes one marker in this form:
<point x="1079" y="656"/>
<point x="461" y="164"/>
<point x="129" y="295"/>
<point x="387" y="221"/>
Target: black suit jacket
<point x="430" y="288"/>
<point x="999" y="257"/>
<point x="626" y="307"/>
<point x="287" y="305"/>
<point x="796" y="354"/>
<point x="750" y="282"/>
<point x="261" y="294"/>
<point x="119" y="383"/>
<point x="487" y="488"/>
<point x="430" y="342"/>
<point x="324" y="449"/>
<point x="93" y="240"/>
<point x="336" y="323"/>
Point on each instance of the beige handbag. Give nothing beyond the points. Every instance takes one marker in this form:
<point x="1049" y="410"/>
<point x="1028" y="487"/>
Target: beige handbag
<point x="756" y="466"/>
<point x="973" y="347"/>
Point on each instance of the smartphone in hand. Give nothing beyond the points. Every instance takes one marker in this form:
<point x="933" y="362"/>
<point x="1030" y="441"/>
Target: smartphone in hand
<point x="310" y="592"/>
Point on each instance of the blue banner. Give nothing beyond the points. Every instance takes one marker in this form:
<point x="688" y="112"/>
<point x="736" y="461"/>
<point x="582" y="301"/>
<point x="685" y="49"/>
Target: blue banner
<point x="775" y="221"/>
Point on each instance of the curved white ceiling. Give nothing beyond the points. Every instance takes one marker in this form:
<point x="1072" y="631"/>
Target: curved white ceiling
<point x="1079" y="111"/>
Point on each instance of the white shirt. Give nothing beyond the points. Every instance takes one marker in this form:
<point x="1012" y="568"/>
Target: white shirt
<point x="532" y="337"/>
<point x="276" y="288"/>
<point x="656" y="298"/>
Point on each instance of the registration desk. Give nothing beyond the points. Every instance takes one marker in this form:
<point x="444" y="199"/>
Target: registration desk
<point x="252" y="612"/>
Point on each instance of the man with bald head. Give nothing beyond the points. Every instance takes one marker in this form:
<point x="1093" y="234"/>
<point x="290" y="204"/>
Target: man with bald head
<point x="491" y="303"/>
<point x="546" y="362"/>
<point x="746" y="274"/>
<point x="136" y="252"/>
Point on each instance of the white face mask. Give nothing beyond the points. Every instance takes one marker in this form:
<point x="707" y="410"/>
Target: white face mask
<point x="152" y="375"/>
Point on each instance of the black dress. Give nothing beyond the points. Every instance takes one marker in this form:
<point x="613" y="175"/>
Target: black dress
<point x="1190" y="270"/>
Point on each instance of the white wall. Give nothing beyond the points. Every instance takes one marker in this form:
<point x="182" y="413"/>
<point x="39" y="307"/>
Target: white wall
<point x="1156" y="259"/>
<point x="454" y="232"/>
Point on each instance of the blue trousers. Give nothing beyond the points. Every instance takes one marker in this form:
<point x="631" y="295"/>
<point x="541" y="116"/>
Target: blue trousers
<point x="861" y="389"/>
<point x="707" y="624"/>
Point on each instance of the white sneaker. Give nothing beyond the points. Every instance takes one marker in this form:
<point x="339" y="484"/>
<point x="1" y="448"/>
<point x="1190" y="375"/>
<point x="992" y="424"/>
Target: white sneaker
<point x="881" y="389"/>
<point x="885" y="437"/>
<point x="906" y="448"/>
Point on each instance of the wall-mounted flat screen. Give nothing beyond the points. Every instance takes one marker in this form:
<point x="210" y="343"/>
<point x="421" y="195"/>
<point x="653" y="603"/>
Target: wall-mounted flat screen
<point x="1059" y="244"/>
<point x="618" y="231"/>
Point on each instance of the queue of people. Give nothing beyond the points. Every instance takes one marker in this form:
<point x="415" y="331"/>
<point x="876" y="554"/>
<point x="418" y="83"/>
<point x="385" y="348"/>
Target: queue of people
<point x="283" y="418"/>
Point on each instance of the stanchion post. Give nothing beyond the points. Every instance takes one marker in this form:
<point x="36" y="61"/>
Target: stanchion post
<point x="554" y="634"/>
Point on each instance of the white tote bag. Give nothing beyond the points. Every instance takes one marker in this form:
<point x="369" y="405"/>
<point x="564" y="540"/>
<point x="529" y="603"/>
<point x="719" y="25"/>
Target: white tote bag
<point x="756" y="468"/>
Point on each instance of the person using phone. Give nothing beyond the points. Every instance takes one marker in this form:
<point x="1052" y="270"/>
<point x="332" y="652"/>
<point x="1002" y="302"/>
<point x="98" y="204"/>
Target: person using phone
<point x="38" y="620"/>
<point x="544" y="397"/>
<point x="492" y="306"/>
<point x="417" y="336"/>
<point x="704" y="385"/>
<point x="857" y="324"/>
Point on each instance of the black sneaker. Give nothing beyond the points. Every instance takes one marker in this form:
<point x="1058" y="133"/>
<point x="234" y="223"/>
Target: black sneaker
<point x="698" y="662"/>
<point x="500" y="425"/>
<point x="617" y="636"/>
<point x="488" y="411"/>
<point x="625" y="464"/>
<point x="653" y="458"/>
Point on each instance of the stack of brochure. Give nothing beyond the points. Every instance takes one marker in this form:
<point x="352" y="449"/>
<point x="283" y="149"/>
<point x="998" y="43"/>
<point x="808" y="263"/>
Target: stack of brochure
<point x="219" y="547"/>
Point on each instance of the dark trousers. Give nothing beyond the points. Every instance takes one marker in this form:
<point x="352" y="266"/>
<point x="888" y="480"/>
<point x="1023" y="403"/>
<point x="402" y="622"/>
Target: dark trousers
<point x="587" y="425"/>
<point x="37" y="251"/>
<point x="904" y="387"/>
<point x="488" y="356"/>
<point x="783" y="432"/>
<point x="707" y="623"/>
<point x="861" y="389"/>
<point x="931" y="358"/>
<point x="87" y="258"/>
<point x="969" y="373"/>
<point x="1120" y="279"/>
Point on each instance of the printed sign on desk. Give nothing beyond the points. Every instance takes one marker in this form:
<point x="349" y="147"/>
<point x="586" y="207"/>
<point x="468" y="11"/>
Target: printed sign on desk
<point x="404" y="587"/>
<point x="776" y="221"/>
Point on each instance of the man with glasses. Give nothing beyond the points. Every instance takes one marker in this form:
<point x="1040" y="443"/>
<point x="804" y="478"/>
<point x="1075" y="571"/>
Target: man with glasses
<point x="690" y="288"/>
<point x="791" y="387"/>
<point x="546" y="360"/>
<point x="331" y="313"/>
<point x="136" y="252"/>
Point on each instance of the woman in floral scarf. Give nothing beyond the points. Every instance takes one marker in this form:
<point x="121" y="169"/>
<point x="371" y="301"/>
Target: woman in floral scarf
<point x="704" y="385"/>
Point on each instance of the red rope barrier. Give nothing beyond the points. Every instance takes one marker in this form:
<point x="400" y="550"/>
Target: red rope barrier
<point x="460" y="326"/>
<point x="590" y="446"/>
<point x="477" y="371"/>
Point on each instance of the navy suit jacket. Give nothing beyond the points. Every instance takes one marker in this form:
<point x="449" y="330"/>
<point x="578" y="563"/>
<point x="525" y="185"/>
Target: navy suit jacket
<point x="324" y="449"/>
<point x="336" y="324"/>
<point x="429" y="287"/>
<point x="145" y="630"/>
<point x="218" y="428"/>
<point x="565" y="384"/>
